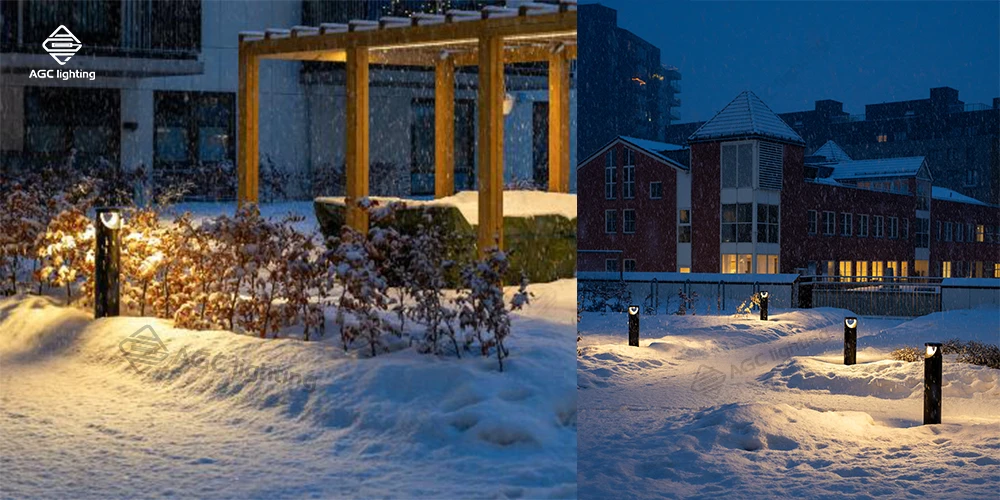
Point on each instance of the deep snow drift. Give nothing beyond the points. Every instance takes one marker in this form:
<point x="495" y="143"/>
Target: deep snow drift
<point x="712" y="406"/>
<point x="227" y="415"/>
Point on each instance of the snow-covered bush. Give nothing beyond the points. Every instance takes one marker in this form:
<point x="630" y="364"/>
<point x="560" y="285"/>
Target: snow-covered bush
<point x="23" y="219"/>
<point x="481" y="303"/>
<point x="427" y="267"/>
<point x="66" y="252"/>
<point x="363" y="291"/>
<point x="748" y="306"/>
<point x="143" y="257"/>
<point x="908" y="354"/>
<point x="688" y="302"/>
<point x="390" y="252"/>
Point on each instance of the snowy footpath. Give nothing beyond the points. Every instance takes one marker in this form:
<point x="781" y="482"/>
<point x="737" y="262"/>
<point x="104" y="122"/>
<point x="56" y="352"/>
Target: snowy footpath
<point x="718" y="406"/>
<point x="225" y="415"/>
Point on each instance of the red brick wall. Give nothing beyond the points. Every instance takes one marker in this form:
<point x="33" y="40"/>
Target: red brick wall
<point x="793" y="215"/>
<point x="705" y="207"/>
<point x="653" y="245"/>
<point x="966" y="251"/>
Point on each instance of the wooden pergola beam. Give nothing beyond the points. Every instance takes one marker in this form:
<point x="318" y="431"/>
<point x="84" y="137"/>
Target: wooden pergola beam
<point x="559" y="141"/>
<point x="444" y="128"/>
<point x="491" y="92"/>
<point x="356" y="150"/>
<point x="248" y="157"/>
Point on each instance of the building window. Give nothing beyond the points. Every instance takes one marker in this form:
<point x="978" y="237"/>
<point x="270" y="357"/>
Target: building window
<point x="947" y="231"/>
<point x="737" y="263"/>
<point x="737" y="223"/>
<point x="996" y="270"/>
<point x="629" y="265"/>
<point x="893" y="227"/>
<point x="969" y="235"/>
<point x="892" y="268"/>
<point x="846" y="224"/>
<point x="611" y="221"/>
<point x="767" y="223"/>
<point x="655" y="190"/>
<point x="899" y="136"/>
<point x="989" y="234"/>
<point x="879" y="229"/>
<point x="812" y="221"/>
<point x="863" y="226"/>
<point x="971" y="178"/>
<point x="628" y="175"/>
<point x="611" y="265"/>
<point x="767" y="264"/>
<point x="923" y="232"/>
<point x="882" y="138"/>
<point x="684" y="226"/>
<point x="861" y="269"/>
<point x="737" y="165"/>
<point x="628" y="221"/>
<point x="845" y="270"/>
<point x="610" y="175"/>
<point x="688" y="270"/>
<point x="946" y="269"/>
<point x="980" y="233"/>
<point x="939" y="230"/>
<point x="829" y="223"/>
<point x="877" y="269"/>
<point x="959" y="232"/>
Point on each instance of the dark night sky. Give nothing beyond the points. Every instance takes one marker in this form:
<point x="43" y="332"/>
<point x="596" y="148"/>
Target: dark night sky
<point x="794" y="53"/>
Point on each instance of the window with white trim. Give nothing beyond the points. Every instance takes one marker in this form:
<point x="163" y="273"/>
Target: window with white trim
<point x="959" y="232"/>
<point x="737" y="165"/>
<point x="684" y="225"/>
<point x="628" y="221"/>
<point x="829" y="224"/>
<point x="879" y="229"/>
<point x="893" y="227"/>
<point x="629" y="265"/>
<point x="656" y="190"/>
<point x="737" y="223"/>
<point x="863" y="225"/>
<point x="947" y="231"/>
<point x="767" y="223"/>
<point x="611" y="221"/>
<point x="923" y="233"/>
<point x="610" y="175"/>
<point x="846" y="224"/>
<point x="940" y="230"/>
<point x="611" y="265"/>
<point x="811" y="217"/>
<point x="628" y="175"/>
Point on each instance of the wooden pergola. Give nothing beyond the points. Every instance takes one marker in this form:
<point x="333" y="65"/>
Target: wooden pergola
<point x="535" y="32"/>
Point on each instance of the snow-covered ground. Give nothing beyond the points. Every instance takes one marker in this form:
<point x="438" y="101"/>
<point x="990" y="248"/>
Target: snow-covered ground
<point x="717" y="406"/>
<point x="227" y="415"/>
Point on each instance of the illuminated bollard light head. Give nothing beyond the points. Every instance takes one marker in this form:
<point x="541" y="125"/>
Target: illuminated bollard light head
<point x="932" y="382"/>
<point x="633" y="326"/>
<point x="107" y="261"/>
<point x="850" y="340"/>
<point x="764" y="298"/>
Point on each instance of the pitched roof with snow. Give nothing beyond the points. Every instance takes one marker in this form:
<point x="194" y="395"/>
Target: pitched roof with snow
<point x="652" y="148"/>
<point x="945" y="194"/>
<point x="832" y="152"/>
<point x="883" y="167"/>
<point x="746" y="116"/>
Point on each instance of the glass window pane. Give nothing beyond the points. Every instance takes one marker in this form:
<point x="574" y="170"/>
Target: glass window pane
<point x="171" y="144"/>
<point x="685" y="217"/>
<point x="744" y="233"/>
<point x="772" y="234"/>
<point x="745" y="167"/>
<point x="729" y="233"/>
<point x="772" y="215"/>
<point x="728" y="166"/>
<point x="212" y="144"/>
<point x="745" y="212"/>
<point x="728" y="213"/>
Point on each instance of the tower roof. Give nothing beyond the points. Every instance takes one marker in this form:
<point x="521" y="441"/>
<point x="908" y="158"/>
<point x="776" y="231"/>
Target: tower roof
<point x="832" y="152"/>
<point x="746" y="116"/>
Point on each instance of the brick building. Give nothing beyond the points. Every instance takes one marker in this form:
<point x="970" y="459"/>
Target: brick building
<point x="748" y="200"/>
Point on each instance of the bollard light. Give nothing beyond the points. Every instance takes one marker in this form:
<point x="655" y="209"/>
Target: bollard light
<point x="850" y="340"/>
<point x="932" y="383"/>
<point x="633" y="326"/>
<point x="107" y="262"/>
<point x="763" y="305"/>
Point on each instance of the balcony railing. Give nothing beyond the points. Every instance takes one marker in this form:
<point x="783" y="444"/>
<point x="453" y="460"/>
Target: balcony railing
<point x="140" y="28"/>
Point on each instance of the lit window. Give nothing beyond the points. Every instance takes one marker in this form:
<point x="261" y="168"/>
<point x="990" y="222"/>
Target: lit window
<point x="882" y="138"/>
<point x="628" y="221"/>
<point x="684" y="226"/>
<point x="767" y="264"/>
<point x="946" y="269"/>
<point x="688" y="270"/>
<point x="845" y="270"/>
<point x="610" y="221"/>
<point x="861" y="269"/>
<point x="980" y="233"/>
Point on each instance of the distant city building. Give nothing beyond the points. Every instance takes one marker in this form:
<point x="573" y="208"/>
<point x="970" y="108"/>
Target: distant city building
<point x="624" y="89"/>
<point x="749" y="200"/>
<point x="960" y="141"/>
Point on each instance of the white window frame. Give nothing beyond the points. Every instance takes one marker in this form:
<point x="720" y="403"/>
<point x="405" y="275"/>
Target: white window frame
<point x="846" y="223"/>
<point x="735" y="146"/>
<point x="610" y="175"/>
<point x="893" y="228"/>
<point x="625" y="212"/>
<point x="829" y="223"/>
<point x="613" y="219"/>
<point x="879" y="227"/>
<point x="611" y="269"/>
<point x="862" y="225"/>
<point x="947" y="231"/>
<point x="625" y="266"/>
<point x="628" y="175"/>
<point x="812" y="222"/>
<point x="658" y="184"/>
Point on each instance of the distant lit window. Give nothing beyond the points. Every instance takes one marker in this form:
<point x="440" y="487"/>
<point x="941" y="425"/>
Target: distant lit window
<point x="688" y="270"/>
<point x="684" y="226"/>
<point x="980" y="233"/>
<point x="946" y="269"/>
<point x="882" y="138"/>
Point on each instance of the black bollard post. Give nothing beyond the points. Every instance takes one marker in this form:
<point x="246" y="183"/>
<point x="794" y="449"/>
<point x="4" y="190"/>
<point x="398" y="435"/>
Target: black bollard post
<point x="633" y="326"/>
<point x="932" y="383"/>
<point x="850" y="341"/>
<point x="763" y="305"/>
<point x="107" y="262"/>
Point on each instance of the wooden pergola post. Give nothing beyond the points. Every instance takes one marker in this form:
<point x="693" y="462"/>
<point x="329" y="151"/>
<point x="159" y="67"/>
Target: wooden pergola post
<point x="357" y="137"/>
<point x="559" y="142"/>
<point x="491" y="91"/>
<point x="248" y="158"/>
<point x="444" y="127"/>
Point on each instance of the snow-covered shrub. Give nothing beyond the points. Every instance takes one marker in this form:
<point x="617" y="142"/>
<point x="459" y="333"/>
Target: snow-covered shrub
<point x="427" y="266"/>
<point x="748" y="306"/>
<point x="481" y="304"/>
<point x="390" y="251"/>
<point x="688" y="302"/>
<point x="22" y="219"/>
<point x="523" y="185"/>
<point x="908" y="354"/>
<point x="142" y="258"/>
<point x="363" y="291"/>
<point x="304" y="274"/>
<point x="66" y="251"/>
